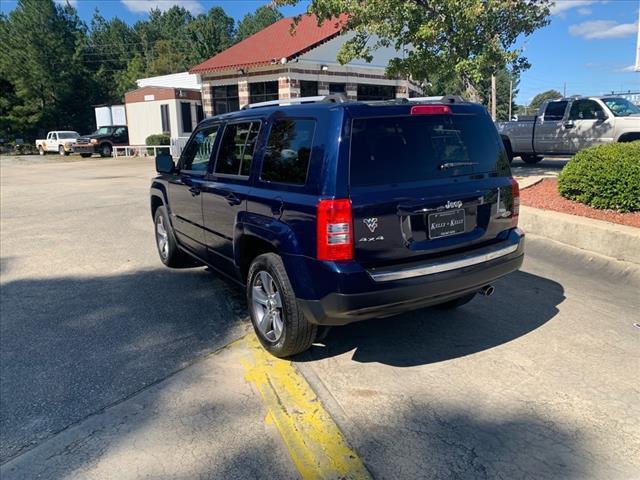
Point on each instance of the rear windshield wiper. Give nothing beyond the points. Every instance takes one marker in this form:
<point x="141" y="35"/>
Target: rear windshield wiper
<point x="444" y="166"/>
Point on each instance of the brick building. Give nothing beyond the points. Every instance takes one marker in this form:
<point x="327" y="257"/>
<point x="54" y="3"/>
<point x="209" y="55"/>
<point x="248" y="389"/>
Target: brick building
<point x="279" y="63"/>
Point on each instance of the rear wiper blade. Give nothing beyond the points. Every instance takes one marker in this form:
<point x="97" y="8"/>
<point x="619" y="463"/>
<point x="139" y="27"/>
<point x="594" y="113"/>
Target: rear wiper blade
<point x="444" y="166"/>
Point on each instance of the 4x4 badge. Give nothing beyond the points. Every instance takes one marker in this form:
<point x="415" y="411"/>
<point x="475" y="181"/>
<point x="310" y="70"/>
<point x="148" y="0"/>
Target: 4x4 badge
<point x="371" y="223"/>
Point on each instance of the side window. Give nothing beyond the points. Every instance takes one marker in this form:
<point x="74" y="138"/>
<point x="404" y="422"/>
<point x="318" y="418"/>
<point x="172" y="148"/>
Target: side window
<point x="584" y="110"/>
<point x="119" y="132"/>
<point x="198" y="151"/>
<point x="555" y="110"/>
<point x="286" y="159"/>
<point x="236" y="148"/>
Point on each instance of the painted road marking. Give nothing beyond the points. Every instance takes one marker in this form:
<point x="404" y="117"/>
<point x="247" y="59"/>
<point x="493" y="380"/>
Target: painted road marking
<point x="316" y="445"/>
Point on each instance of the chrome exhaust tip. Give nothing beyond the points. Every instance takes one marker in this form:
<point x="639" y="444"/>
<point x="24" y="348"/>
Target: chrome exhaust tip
<point x="487" y="290"/>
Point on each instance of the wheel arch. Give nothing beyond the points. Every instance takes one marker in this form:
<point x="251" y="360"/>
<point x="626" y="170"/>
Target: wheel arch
<point x="247" y="248"/>
<point x="629" y="137"/>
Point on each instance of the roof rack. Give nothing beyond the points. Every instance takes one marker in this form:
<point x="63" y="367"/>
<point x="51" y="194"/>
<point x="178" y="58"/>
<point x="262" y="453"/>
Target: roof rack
<point x="333" y="98"/>
<point x="438" y="99"/>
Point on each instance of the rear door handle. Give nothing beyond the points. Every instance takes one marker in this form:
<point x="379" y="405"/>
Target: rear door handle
<point x="568" y="124"/>
<point x="195" y="191"/>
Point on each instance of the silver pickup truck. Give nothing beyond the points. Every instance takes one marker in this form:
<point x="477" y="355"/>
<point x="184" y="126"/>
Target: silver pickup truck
<point x="567" y="125"/>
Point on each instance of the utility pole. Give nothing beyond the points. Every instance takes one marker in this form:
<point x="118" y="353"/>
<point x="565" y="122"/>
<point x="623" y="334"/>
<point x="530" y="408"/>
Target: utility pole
<point x="510" y="100"/>
<point x="564" y="92"/>
<point x="493" y="97"/>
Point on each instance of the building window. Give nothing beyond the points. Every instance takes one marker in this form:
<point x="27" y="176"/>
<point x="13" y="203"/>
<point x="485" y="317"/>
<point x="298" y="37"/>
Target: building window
<point x="286" y="159"/>
<point x="368" y="92"/>
<point x="338" y="88"/>
<point x="308" y="89"/>
<point x="225" y="99"/>
<point x="199" y="113"/>
<point x="164" y="115"/>
<point x="263" y="91"/>
<point x="185" y="113"/>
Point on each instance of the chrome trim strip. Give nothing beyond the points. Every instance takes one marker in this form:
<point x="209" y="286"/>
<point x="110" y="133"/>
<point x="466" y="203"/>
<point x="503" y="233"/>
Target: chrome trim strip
<point x="438" y="267"/>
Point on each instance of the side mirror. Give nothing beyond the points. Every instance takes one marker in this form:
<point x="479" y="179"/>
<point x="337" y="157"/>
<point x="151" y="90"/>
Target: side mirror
<point x="164" y="163"/>
<point x="600" y="115"/>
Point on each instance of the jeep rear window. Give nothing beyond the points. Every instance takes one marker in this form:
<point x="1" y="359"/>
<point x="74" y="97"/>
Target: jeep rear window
<point x="389" y="150"/>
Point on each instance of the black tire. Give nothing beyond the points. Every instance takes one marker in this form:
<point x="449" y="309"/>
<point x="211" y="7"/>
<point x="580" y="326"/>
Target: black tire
<point x="456" y="302"/>
<point x="531" y="159"/>
<point x="105" y="150"/>
<point x="41" y="151"/>
<point x="172" y="257"/>
<point x="85" y="155"/>
<point x="297" y="332"/>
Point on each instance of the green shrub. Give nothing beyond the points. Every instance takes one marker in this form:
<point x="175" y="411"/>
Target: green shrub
<point x="605" y="176"/>
<point x="158" y="139"/>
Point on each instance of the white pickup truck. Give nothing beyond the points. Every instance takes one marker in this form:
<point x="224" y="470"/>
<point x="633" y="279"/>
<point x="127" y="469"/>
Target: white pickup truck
<point x="567" y="125"/>
<point x="58" y="141"/>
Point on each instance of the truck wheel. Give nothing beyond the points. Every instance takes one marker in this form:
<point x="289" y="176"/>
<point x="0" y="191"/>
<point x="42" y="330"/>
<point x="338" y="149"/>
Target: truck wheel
<point x="41" y="151"/>
<point x="531" y="159"/>
<point x="456" y="302"/>
<point x="105" y="150"/>
<point x="279" y="324"/>
<point x="168" y="249"/>
<point x="62" y="151"/>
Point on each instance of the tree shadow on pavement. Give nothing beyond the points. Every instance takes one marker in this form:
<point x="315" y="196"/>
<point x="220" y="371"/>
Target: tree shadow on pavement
<point x="70" y="346"/>
<point x="522" y="303"/>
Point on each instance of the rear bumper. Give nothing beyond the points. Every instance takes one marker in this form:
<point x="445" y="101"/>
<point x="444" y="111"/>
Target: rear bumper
<point x="399" y="292"/>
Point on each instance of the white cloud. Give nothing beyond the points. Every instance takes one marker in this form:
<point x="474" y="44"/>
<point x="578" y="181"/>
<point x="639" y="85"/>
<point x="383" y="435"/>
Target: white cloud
<point x="598" y="29"/>
<point x="561" y="6"/>
<point x="143" y="6"/>
<point x="630" y="68"/>
<point x="73" y="3"/>
<point x="584" y="11"/>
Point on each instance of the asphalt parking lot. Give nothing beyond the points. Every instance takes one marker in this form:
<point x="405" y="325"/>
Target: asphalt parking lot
<point x="113" y="366"/>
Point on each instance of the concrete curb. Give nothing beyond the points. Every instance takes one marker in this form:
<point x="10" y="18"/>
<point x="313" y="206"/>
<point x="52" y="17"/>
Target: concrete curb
<point x="612" y="240"/>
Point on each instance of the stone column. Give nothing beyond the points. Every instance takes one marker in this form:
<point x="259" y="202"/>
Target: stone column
<point x="207" y="97"/>
<point x="402" y="90"/>
<point x="243" y="92"/>
<point x="352" y="91"/>
<point x="288" y="88"/>
<point x="323" y="88"/>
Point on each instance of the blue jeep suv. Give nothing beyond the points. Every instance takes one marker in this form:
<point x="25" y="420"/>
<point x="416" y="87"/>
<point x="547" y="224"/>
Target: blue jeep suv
<point x="330" y="211"/>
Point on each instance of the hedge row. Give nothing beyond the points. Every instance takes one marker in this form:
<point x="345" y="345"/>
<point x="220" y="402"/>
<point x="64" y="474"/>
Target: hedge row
<point x="605" y="176"/>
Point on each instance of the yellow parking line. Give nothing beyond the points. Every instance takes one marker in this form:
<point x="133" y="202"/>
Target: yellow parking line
<point x="316" y="445"/>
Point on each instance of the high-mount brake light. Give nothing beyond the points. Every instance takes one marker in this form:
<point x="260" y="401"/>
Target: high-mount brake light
<point x="430" y="110"/>
<point x="515" y="209"/>
<point x="334" y="230"/>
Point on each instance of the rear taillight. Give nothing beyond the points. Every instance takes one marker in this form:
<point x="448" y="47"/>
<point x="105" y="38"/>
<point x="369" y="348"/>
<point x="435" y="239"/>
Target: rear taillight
<point x="430" y="110"/>
<point x="334" y="230"/>
<point x="515" y="208"/>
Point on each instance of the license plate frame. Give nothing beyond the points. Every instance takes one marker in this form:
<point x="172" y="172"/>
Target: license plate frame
<point x="446" y="224"/>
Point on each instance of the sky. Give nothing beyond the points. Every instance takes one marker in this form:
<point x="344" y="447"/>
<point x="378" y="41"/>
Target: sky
<point x="590" y="45"/>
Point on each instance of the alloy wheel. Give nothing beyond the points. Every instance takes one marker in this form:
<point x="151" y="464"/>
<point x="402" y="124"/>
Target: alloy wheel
<point x="267" y="306"/>
<point x="162" y="238"/>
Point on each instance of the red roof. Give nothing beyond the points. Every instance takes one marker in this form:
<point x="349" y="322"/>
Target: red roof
<point x="274" y="42"/>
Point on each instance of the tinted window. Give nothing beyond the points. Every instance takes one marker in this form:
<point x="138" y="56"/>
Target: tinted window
<point x="584" y="110"/>
<point x="198" y="151"/>
<point x="164" y="115"/>
<point x="555" y="110"/>
<point x="337" y="88"/>
<point x="376" y="92"/>
<point x="185" y="111"/>
<point x="412" y="148"/>
<point x="225" y="99"/>
<point x="236" y="149"/>
<point x="263" y="91"/>
<point x="286" y="159"/>
<point x="308" y="89"/>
